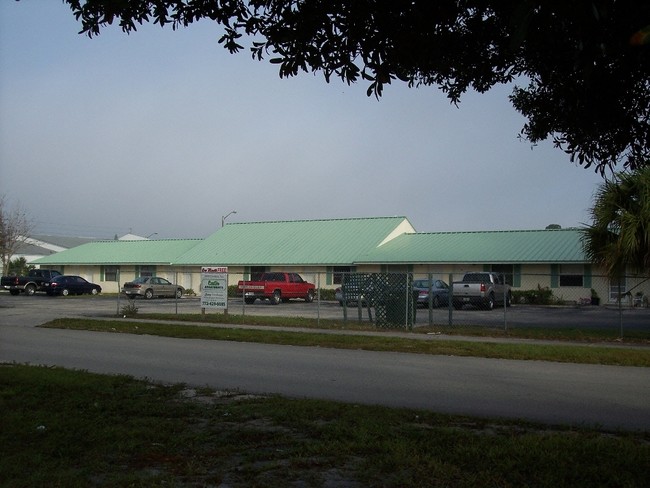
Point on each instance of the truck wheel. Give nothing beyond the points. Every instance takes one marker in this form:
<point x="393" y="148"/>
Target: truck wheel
<point x="249" y="301"/>
<point x="490" y="302"/>
<point x="30" y="290"/>
<point x="310" y="296"/>
<point x="148" y="294"/>
<point x="276" y="298"/>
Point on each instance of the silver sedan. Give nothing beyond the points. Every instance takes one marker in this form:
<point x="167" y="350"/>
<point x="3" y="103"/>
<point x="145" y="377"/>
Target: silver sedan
<point x="152" y="286"/>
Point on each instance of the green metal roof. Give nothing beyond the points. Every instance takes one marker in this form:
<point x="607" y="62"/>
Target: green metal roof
<point x="164" y="251"/>
<point x="303" y="242"/>
<point x="344" y="242"/>
<point x="517" y="246"/>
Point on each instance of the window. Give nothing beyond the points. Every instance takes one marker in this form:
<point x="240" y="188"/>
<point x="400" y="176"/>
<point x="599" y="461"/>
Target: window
<point x="339" y="272"/>
<point x="147" y="271"/>
<point x="110" y="273"/>
<point x="506" y="271"/>
<point x="256" y="272"/>
<point x="616" y="289"/>
<point x="295" y="278"/>
<point x="571" y="275"/>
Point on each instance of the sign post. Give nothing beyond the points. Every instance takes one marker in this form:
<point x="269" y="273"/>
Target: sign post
<point x="214" y="288"/>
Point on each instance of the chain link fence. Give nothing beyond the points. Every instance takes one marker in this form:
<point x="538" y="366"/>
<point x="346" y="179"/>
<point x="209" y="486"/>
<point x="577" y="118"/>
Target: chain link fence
<point x="408" y="300"/>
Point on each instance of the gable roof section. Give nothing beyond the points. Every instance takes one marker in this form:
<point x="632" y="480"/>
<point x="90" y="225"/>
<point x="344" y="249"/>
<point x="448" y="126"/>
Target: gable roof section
<point x="59" y="243"/>
<point x="302" y="242"/>
<point x="519" y="246"/>
<point x="164" y="251"/>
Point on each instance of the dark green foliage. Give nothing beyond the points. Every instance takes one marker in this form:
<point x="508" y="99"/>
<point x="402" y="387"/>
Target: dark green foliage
<point x="327" y="294"/>
<point x="619" y="234"/>
<point x="19" y="267"/>
<point x="130" y="309"/>
<point x="540" y="296"/>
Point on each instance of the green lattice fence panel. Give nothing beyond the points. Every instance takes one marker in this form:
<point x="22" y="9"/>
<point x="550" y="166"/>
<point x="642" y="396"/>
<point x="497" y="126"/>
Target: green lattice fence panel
<point x="389" y="295"/>
<point x="393" y="300"/>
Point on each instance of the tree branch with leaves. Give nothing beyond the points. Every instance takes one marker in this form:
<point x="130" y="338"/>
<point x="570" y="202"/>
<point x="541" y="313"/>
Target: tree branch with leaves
<point x="619" y="236"/>
<point x="15" y="229"/>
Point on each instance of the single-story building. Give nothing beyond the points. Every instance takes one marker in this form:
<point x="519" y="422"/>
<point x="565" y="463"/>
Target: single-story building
<point x="323" y="250"/>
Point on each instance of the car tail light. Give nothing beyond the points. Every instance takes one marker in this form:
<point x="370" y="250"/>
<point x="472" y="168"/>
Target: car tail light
<point x="483" y="287"/>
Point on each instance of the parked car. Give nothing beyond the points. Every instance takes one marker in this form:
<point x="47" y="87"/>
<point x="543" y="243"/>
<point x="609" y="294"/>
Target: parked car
<point x="30" y="284"/>
<point x="439" y="292"/>
<point x="481" y="289"/>
<point x="348" y="293"/>
<point x="350" y="298"/>
<point x="152" y="286"/>
<point x="276" y="287"/>
<point x="71" y="285"/>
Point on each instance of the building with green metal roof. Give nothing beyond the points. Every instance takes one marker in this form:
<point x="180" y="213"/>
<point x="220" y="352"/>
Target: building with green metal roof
<point x="323" y="250"/>
<point x="307" y="246"/>
<point x="114" y="252"/>
<point x="513" y="246"/>
<point x="303" y="243"/>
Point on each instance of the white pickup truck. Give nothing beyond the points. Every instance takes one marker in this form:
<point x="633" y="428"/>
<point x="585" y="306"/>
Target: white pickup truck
<point x="481" y="289"/>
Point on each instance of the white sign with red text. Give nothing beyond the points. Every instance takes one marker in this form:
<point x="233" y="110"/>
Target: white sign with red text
<point x="214" y="287"/>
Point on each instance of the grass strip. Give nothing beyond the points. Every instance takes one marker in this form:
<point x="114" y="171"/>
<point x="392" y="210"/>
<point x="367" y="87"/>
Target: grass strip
<point x="565" y="332"/>
<point x="370" y="342"/>
<point x="77" y="429"/>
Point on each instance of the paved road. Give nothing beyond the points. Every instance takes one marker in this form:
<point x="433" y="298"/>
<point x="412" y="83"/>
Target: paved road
<point x="15" y="309"/>
<point x="614" y="397"/>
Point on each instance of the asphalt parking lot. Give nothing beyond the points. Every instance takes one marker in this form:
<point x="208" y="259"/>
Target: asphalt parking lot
<point x="32" y="310"/>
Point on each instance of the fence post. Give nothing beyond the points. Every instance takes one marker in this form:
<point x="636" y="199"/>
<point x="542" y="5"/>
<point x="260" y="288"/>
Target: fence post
<point x="450" y="300"/>
<point x="505" y="308"/>
<point x="118" y="292"/>
<point x="318" y="299"/>
<point x="430" y="285"/>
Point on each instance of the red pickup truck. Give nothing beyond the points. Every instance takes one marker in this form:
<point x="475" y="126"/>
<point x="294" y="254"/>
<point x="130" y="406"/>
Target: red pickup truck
<point x="277" y="287"/>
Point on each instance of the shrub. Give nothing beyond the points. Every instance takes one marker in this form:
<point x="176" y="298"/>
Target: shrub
<point x="540" y="296"/>
<point x="129" y="310"/>
<point x="327" y="294"/>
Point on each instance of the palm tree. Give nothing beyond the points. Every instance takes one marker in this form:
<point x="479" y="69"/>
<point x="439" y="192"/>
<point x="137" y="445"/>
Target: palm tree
<point x="619" y="236"/>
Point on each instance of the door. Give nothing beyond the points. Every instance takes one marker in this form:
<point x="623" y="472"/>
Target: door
<point x="163" y="287"/>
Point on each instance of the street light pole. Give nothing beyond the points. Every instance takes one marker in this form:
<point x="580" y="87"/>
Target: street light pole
<point x="224" y="217"/>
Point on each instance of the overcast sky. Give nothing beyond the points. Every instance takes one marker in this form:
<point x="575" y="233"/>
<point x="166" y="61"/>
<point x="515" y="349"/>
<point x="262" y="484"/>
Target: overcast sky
<point x="165" y="132"/>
